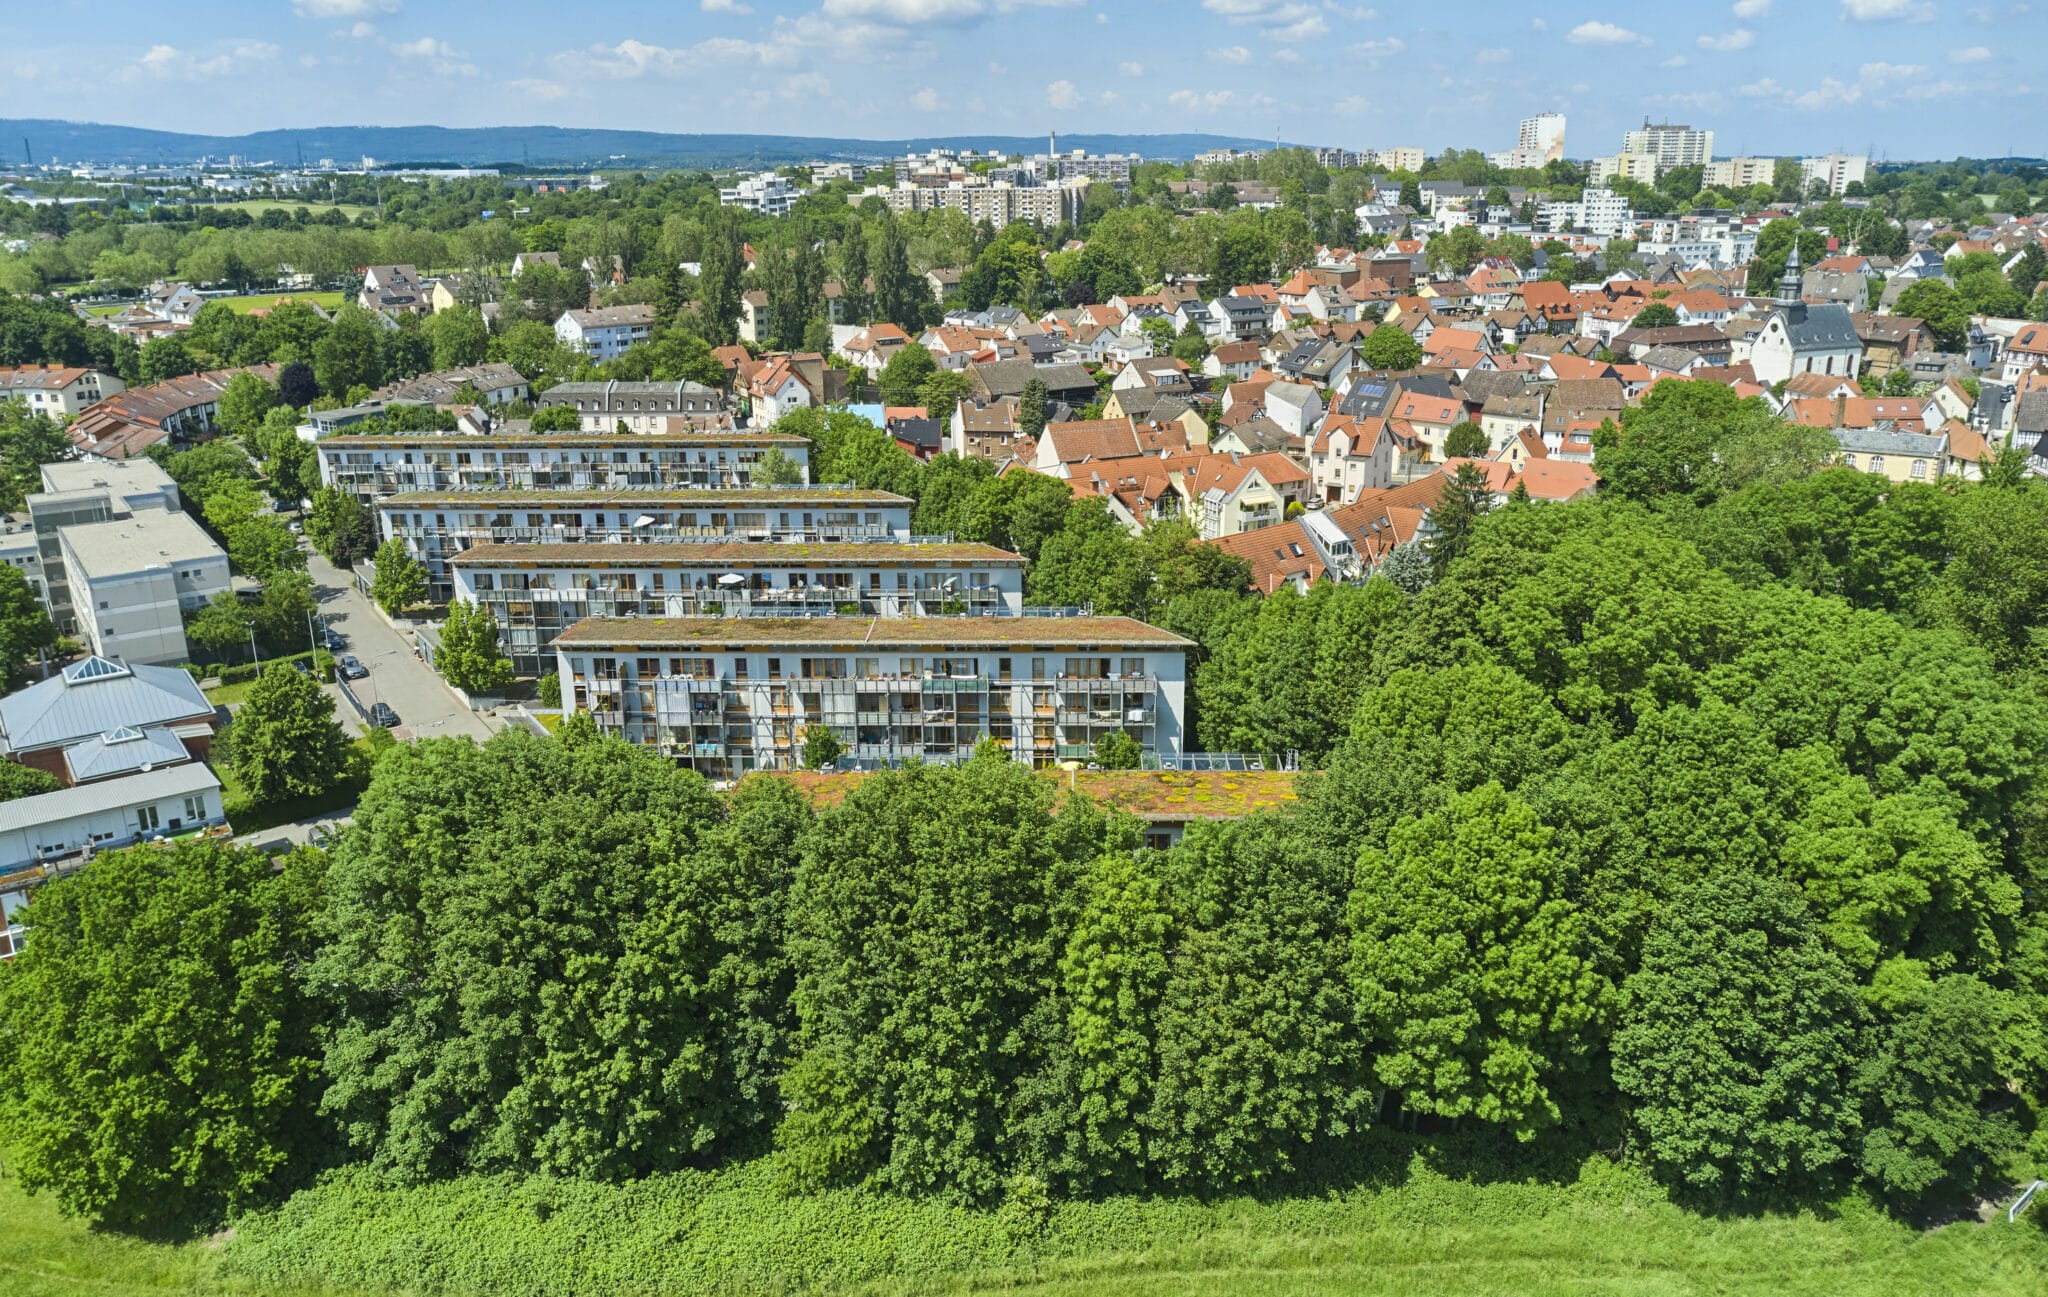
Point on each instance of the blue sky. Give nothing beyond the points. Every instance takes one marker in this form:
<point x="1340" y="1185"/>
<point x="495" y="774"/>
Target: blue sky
<point x="1913" y="78"/>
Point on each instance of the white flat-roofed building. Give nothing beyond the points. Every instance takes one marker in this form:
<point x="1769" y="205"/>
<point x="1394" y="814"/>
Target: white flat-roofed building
<point x="54" y="833"/>
<point x="536" y="592"/>
<point x="606" y="331"/>
<point x="131" y="485"/>
<point x="729" y="695"/>
<point x="133" y="580"/>
<point x="371" y="467"/>
<point x="438" y="525"/>
<point x="20" y="551"/>
<point x="1671" y="144"/>
<point x="1835" y="170"/>
<point x="768" y="193"/>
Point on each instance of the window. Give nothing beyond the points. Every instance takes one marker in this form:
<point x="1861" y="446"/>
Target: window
<point x="195" y="808"/>
<point x="1877" y="463"/>
<point x="1849" y="461"/>
<point x="1919" y="468"/>
<point x="145" y="818"/>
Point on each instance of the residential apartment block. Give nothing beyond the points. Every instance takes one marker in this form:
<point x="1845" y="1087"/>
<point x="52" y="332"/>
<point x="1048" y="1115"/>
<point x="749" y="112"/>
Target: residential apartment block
<point x="1672" y="145"/>
<point x="55" y="390"/>
<point x="132" y="580"/>
<point x="82" y="493"/>
<point x="642" y="407"/>
<point x="998" y="204"/>
<point x="729" y="695"/>
<point x="438" y="525"/>
<point x="538" y="591"/>
<point x="767" y="193"/>
<point x="376" y="466"/>
<point x="606" y="331"/>
<point x="1740" y="173"/>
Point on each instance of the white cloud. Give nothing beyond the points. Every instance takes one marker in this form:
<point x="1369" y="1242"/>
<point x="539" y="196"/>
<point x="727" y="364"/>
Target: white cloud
<point x="1868" y="11"/>
<point x="1599" y="33"/>
<point x="1061" y="94"/>
<point x="631" y="58"/>
<point x="725" y="7"/>
<point x="1232" y="54"/>
<point x="423" y="48"/>
<point x="998" y="70"/>
<point x="1752" y="8"/>
<point x="363" y="31"/>
<point x="1879" y="73"/>
<point x="1768" y="88"/>
<point x="1496" y="55"/>
<point x="1974" y="54"/>
<point x="925" y="100"/>
<point x="906" y="12"/>
<point x="343" y="8"/>
<point x="537" y="88"/>
<point x="168" y="62"/>
<point x="1675" y="61"/>
<point x="1352" y="105"/>
<point x="805" y="85"/>
<point x="1106" y="98"/>
<point x="1739" y="39"/>
<point x="1538" y="25"/>
<point x="1384" y="49"/>
<point x="1131" y="69"/>
<point x="1282" y="20"/>
<point x="1199" y="101"/>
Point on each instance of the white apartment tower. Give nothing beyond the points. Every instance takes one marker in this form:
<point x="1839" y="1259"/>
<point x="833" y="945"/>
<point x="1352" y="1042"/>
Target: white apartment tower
<point x="1671" y="145"/>
<point x="1542" y="138"/>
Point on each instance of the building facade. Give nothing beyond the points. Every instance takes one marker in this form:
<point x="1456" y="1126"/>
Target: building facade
<point x="641" y="407"/>
<point x="373" y="467"/>
<point x="729" y="695"/>
<point x="438" y="525"/>
<point x="536" y="592"/>
<point x="767" y="193"/>
<point x="1835" y="170"/>
<point x="606" y="331"/>
<point x="58" y="392"/>
<point x="1672" y="145"/>
<point x="132" y="580"/>
<point x="82" y="492"/>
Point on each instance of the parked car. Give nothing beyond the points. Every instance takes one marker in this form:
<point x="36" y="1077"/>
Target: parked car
<point x="331" y="640"/>
<point x="302" y="666"/>
<point x="350" y="668"/>
<point x="381" y="714"/>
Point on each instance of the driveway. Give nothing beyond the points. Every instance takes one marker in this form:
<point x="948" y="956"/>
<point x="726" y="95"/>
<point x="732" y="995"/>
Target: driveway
<point x="425" y="707"/>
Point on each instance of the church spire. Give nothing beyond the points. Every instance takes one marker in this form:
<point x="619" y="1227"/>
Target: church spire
<point x="1792" y="285"/>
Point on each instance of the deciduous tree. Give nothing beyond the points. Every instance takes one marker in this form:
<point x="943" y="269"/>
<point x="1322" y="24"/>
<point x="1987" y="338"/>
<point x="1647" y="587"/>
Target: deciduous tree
<point x="159" y="1062"/>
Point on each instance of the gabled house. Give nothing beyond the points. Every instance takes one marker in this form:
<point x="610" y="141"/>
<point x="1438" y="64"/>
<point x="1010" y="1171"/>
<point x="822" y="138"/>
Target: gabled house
<point x="393" y="290"/>
<point x="1800" y="337"/>
<point x="1351" y="455"/>
<point x="1232" y="361"/>
<point x="870" y="349"/>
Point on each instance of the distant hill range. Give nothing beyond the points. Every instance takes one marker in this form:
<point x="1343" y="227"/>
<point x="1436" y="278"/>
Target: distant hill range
<point x="40" y="139"/>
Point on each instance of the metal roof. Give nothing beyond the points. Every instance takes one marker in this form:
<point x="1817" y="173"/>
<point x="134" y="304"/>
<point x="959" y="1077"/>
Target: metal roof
<point x="107" y="795"/>
<point x="124" y="751"/>
<point x="95" y="696"/>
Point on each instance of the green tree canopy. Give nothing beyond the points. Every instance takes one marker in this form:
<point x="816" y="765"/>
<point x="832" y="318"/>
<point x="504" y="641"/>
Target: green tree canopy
<point x="1469" y="970"/>
<point x="159" y="1062"/>
<point x="1735" y="1046"/>
<point x="284" y="742"/>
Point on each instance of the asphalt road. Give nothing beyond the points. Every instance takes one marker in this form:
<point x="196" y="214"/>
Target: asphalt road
<point x="425" y="707"/>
